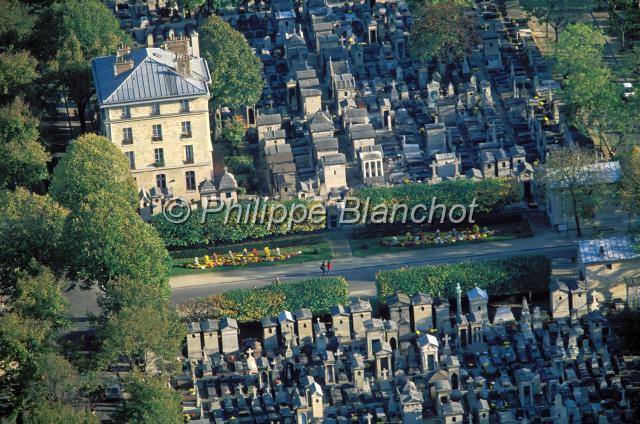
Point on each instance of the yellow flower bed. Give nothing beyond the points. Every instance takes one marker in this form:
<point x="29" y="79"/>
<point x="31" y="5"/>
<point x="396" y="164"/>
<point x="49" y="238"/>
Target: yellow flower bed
<point x="239" y="259"/>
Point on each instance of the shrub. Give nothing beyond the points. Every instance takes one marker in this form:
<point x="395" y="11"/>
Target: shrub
<point x="215" y="230"/>
<point x="490" y="195"/>
<point x="509" y="276"/>
<point x="247" y="305"/>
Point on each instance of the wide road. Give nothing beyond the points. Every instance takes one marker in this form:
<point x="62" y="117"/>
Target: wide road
<point x="360" y="272"/>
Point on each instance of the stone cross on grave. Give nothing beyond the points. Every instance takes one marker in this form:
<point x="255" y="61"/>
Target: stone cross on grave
<point x="250" y="352"/>
<point x="368" y="417"/>
<point x="338" y="354"/>
<point x="384" y="374"/>
<point x="446" y="341"/>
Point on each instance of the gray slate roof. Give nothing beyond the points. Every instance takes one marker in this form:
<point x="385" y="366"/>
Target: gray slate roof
<point x="153" y="77"/>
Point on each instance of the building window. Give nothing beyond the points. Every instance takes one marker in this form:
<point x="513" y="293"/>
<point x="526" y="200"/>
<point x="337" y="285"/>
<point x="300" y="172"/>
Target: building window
<point x="184" y="105"/>
<point x="186" y="129"/>
<point x="191" y="180"/>
<point x="132" y="159"/>
<point x="227" y="195"/>
<point x="609" y="266"/>
<point x="155" y="108"/>
<point x="127" y="136"/>
<point x="157" y="132"/>
<point x="159" y="156"/>
<point x="161" y="181"/>
<point x="188" y="154"/>
<point x="126" y="112"/>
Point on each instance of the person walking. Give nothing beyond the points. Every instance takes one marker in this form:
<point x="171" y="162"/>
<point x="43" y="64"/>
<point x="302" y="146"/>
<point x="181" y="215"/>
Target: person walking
<point x="323" y="268"/>
<point x="329" y="267"/>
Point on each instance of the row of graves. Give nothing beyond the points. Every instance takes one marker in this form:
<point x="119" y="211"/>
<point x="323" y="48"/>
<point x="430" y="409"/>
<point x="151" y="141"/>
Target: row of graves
<point x="342" y="92"/>
<point x="427" y="363"/>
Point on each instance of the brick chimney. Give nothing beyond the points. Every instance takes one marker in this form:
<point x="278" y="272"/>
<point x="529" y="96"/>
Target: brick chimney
<point x="123" y="60"/>
<point x="179" y="46"/>
<point x="183" y="64"/>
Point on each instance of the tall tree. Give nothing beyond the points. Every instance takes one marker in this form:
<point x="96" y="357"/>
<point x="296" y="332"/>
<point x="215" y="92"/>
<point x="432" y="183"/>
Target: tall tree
<point x="442" y="30"/>
<point x="568" y="172"/>
<point x="60" y="413"/>
<point x="630" y="187"/>
<point x="152" y="401"/>
<point x="141" y="335"/>
<point x="30" y="228"/>
<point x="77" y="31"/>
<point x="71" y="71"/>
<point x="17" y="71"/>
<point x="236" y="72"/>
<point x="594" y="103"/>
<point x="24" y="159"/>
<point x="93" y="164"/>
<point x="624" y="16"/>
<point x="16" y="23"/>
<point x="555" y="13"/>
<point x="105" y="239"/>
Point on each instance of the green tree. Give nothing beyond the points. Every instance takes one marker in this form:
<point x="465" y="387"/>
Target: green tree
<point x="16" y="23"/>
<point x="555" y="13"/>
<point x="190" y="5"/>
<point x="40" y="296"/>
<point x="30" y="228"/>
<point x="93" y="164"/>
<point x="236" y="72"/>
<point x="76" y="31"/>
<point x="106" y="239"/>
<point x="624" y="17"/>
<point x="140" y="335"/>
<point x="442" y="30"/>
<point x="54" y="379"/>
<point x="630" y="187"/>
<point x="569" y="172"/>
<point x="125" y="292"/>
<point x="17" y="71"/>
<point x="24" y="158"/>
<point x="95" y="26"/>
<point x="579" y="48"/>
<point x="59" y="413"/>
<point x="26" y="333"/>
<point x="594" y="102"/>
<point x="233" y="131"/>
<point x="153" y="401"/>
<point x="71" y="71"/>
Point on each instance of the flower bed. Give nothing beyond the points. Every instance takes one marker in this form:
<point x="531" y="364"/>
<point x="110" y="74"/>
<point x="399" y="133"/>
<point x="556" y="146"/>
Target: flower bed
<point x="438" y="237"/>
<point x="240" y="259"/>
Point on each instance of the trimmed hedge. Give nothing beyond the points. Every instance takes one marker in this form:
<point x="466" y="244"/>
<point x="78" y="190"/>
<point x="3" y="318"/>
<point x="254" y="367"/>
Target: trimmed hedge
<point x="490" y="194"/>
<point x="515" y="275"/>
<point x="247" y="305"/>
<point x="214" y="230"/>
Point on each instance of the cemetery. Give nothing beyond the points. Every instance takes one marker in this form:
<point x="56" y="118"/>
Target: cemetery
<point x="429" y="362"/>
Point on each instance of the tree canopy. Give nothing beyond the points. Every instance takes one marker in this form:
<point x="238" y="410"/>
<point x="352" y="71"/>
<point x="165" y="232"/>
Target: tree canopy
<point x="569" y="171"/>
<point x="105" y="239"/>
<point x="30" y="228"/>
<point x="93" y="164"/>
<point x="24" y="158"/>
<point x="236" y="72"/>
<point x="17" y="71"/>
<point x="442" y="30"/>
<point x="152" y="401"/>
<point x="555" y="13"/>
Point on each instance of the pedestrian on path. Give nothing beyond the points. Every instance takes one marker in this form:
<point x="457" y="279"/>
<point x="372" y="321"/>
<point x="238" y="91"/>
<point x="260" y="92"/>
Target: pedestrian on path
<point x="323" y="268"/>
<point x="329" y="267"/>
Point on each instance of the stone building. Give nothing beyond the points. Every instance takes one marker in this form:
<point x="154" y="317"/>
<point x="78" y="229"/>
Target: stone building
<point x="154" y="105"/>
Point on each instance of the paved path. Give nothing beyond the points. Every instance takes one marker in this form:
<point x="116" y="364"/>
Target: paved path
<point x="360" y="271"/>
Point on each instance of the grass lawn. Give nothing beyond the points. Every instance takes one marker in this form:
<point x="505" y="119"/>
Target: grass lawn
<point x="317" y="251"/>
<point x="373" y="246"/>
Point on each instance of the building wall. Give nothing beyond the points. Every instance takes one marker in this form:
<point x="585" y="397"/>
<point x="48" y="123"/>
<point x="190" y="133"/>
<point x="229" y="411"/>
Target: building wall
<point x="609" y="283"/>
<point x="141" y="123"/>
<point x="334" y="176"/>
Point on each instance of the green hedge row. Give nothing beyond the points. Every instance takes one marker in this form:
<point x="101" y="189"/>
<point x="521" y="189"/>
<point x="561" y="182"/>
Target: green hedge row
<point x="490" y="194"/>
<point x="215" y="230"/>
<point x="248" y="305"/>
<point x="515" y="275"/>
